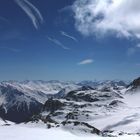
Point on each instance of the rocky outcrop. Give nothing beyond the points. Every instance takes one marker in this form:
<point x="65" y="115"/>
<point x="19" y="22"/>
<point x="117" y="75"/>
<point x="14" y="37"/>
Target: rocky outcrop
<point x="2" y="112"/>
<point x="116" y="103"/>
<point x="52" y="105"/>
<point x="135" y="84"/>
<point x="17" y="106"/>
<point x="84" y="88"/>
<point x="23" y="112"/>
<point x="87" y="128"/>
<point x="80" y="96"/>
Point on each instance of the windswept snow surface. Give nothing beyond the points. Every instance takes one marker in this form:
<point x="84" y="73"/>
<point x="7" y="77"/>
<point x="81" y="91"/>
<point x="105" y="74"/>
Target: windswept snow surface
<point x="17" y="132"/>
<point x="126" y="118"/>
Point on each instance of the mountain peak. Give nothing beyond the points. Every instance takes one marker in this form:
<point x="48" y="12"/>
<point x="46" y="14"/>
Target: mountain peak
<point x="135" y="83"/>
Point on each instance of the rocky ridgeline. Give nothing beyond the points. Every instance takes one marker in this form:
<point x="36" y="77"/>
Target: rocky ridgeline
<point x="134" y="84"/>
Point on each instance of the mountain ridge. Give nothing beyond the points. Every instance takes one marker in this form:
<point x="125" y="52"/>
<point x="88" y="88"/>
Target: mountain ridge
<point x="79" y="107"/>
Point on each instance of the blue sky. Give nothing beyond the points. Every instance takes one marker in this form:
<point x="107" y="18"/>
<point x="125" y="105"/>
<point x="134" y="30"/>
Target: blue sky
<point x="67" y="40"/>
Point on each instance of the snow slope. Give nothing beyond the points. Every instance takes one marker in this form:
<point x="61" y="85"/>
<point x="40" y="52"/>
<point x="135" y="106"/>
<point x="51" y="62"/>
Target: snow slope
<point x="3" y="122"/>
<point x="17" y="132"/>
<point x="106" y="108"/>
<point x="109" y="106"/>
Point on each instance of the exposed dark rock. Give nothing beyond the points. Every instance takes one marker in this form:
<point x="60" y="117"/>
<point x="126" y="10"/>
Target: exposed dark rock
<point x="23" y="113"/>
<point x="57" y="113"/>
<point x="60" y="94"/>
<point x="106" y="89"/>
<point x="52" y="105"/>
<point x="81" y="106"/>
<point x="2" y="111"/>
<point x="48" y="119"/>
<point x="18" y="107"/>
<point x="73" y="95"/>
<point x="89" y="98"/>
<point x="115" y="103"/>
<point x="135" y="83"/>
<point x="72" y="115"/>
<point x="84" y="88"/>
<point x="93" y="130"/>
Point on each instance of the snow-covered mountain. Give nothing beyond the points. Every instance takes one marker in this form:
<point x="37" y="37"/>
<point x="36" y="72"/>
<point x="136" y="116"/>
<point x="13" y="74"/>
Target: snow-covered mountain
<point x="105" y="83"/>
<point x="107" y="108"/>
<point x="99" y="108"/>
<point x="134" y="86"/>
<point x="16" y="105"/>
<point x="20" y="100"/>
<point x="78" y="110"/>
<point x="45" y="87"/>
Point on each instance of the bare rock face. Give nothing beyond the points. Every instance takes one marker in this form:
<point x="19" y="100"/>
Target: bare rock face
<point x="17" y="107"/>
<point x="82" y="126"/>
<point x="52" y="105"/>
<point x="2" y="112"/>
<point x="115" y="103"/>
<point x="135" y="83"/>
<point x="80" y="96"/>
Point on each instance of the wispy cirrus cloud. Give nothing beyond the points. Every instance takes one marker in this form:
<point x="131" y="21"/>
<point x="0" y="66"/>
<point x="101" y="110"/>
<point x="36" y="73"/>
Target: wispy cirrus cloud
<point x="31" y="11"/>
<point x="68" y="36"/>
<point x="65" y="9"/>
<point x="3" y="19"/>
<point x="101" y="17"/>
<point x="10" y="49"/>
<point x="58" y="43"/>
<point x="86" y="62"/>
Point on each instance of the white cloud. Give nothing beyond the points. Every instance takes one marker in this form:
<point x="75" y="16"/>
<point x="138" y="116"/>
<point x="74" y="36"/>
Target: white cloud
<point x="32" y="12"/>
<point x="100" y="17"/>
<point x="68" y="36"/>
<point x="138" y="45"/>
<point x="4" y="19"/>
<point x="58" y="43"/>
<point x="10" y="49"/>
<point x="86" y="61"/>
<point x="65" y="9"/>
